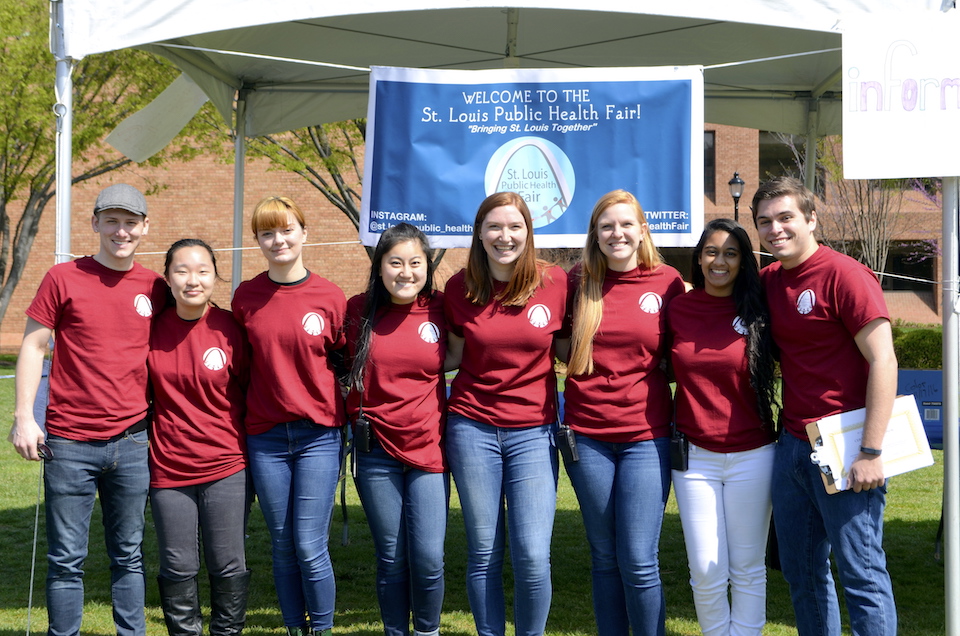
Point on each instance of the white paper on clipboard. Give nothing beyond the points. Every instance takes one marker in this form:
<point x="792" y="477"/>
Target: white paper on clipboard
<point x="836" y="441"/>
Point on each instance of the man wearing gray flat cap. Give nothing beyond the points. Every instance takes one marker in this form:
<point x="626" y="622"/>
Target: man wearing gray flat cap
<point x="100" y="308"/>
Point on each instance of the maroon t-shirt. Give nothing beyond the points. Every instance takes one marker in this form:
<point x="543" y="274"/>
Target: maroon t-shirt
<point x="627" y="397"/>
<point x="404" y="387"/>
<point x="506" y="377"/>
<point x="198" y="373"/>
<point x="291" y="330"/>
<point x="716" y="406"/>
<point x="101" y="317"/>
<point x="817" y="308"/>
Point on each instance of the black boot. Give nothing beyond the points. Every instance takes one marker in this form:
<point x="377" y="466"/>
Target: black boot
<point x="181" y="607"/>
<point x="228" y="604"/>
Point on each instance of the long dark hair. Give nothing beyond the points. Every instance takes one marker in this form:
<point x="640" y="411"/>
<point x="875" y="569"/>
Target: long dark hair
<point x="377" y="296"/>
<point x="752" y="310"/>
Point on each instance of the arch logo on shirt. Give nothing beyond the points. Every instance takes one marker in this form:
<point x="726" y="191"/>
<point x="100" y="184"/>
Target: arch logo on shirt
<point x="651" y="302"/>
<point x="214" y="358"/>
<point x="429" y="332"/>
<point x="739" y="327"/>
<point x="539" y="316"/>
<point x="143" y="305"/>
<point x="806" y="302"/>
<point x="312" y="323"/>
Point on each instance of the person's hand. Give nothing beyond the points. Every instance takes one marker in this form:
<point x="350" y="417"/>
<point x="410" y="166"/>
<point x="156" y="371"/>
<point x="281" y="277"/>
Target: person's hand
<point x="25" y="436"/>
<point x="866" y="472"/>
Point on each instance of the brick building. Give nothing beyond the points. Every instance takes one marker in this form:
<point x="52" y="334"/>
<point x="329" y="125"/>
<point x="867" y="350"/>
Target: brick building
<point x="197" y="201"/>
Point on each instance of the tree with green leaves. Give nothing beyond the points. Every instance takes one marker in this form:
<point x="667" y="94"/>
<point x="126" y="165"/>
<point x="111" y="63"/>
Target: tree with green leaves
<point x="107" y="89"/>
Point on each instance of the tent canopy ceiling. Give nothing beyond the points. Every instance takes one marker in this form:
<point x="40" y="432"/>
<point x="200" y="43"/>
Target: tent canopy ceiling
<point x="304" y="64"/>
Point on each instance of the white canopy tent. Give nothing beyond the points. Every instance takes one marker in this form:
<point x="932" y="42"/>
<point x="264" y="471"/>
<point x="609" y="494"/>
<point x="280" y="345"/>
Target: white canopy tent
<point x="271" y="67"/>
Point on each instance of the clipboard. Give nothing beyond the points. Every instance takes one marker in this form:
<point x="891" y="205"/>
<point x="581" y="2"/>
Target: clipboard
<point x="836" y="440"/>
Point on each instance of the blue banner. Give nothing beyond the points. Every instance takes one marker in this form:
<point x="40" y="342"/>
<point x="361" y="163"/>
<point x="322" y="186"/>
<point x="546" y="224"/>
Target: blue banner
<point x="439" y="142"/>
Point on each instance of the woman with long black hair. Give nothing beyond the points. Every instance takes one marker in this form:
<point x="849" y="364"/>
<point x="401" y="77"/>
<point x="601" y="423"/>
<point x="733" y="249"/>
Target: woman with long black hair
<point x="397" y="336"/>
<point x="723" y="362"/>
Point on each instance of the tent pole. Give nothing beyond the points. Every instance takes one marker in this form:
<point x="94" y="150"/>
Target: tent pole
<point x="239" y="160"/>
<point x="810" y="146"/>
<point x="951" y="380"/>
<point x="510" y="59"/>
<point x="63" y="109"/>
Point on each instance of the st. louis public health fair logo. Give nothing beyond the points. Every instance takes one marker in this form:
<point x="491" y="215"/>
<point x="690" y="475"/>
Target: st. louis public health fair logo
<point x="539" y="316"/>
<point x="214" y="358"/>
<point x="806" y="302"/>
<point x="143" y="305"/>
<point x="651" y="303"/>
<point x="537" y="170"/>
<point x="739" y="327"/>
<point x="429" y="332"/>
<point x="312" y="323"/>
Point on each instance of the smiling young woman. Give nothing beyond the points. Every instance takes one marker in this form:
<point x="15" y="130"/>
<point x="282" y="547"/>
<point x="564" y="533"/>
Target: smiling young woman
<point x="504" y="313"/>
<point x="294" y="320"/>
<point x="722" y="359"/>
<point x="397" y="335"/>
<point x="617" y="402"/>
<point x="198" y="467"/>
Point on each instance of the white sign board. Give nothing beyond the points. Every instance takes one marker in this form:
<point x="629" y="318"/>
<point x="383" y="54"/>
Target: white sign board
<point x="901" y="97"/>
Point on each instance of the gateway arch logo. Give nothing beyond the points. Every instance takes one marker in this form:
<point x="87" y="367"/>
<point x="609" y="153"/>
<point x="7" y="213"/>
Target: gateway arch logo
<point x="312" y="323"/>
<point x="806" y="302"/>
<point x="429" y="332"/>
<point x="539" y="316"/>
<point x="537" y="170"/>
<point x="651" y="303"/>
<point x="143" y="305"/>
<point x="214" y="358"/>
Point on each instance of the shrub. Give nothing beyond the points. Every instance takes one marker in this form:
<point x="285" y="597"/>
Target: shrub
<point x="919" y="349"/>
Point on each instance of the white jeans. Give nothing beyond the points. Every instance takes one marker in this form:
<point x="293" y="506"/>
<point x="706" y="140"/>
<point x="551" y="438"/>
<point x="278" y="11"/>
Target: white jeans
<point x="724" y="501"/>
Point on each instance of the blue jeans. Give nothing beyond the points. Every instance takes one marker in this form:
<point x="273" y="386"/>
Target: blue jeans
<point x="118" y="471"/>
<point x="407" y="512"/>
<point x="623" y="489"/>
<point x="810" y="524"/>
<point x="516" y="467"/>
<point x="295" y="467"/>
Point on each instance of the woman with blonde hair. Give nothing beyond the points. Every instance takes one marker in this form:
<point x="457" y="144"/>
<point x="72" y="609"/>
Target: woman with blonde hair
<point x="617" y="403"/>
<point x="294" y="320"/>
<point x="503" y="312"/>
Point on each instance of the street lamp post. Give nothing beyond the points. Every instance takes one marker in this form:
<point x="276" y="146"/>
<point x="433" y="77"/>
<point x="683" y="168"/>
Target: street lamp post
<point x="736" y="191"/>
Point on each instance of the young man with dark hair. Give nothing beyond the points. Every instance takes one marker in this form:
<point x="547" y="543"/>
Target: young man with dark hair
<point x="831" y="324"/>
<point x="95" y="441"/>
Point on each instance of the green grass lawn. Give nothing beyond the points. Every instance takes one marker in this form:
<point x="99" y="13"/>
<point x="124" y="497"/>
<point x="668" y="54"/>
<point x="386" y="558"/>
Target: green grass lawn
<point x="913" y="513"/>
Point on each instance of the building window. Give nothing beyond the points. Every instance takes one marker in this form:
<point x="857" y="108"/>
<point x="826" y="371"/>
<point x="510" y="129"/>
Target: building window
<point x="710" y="164"/>
<point x="913" y="260"/>
<point x="781" y="155"/>
<point x="778" y="153"/>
